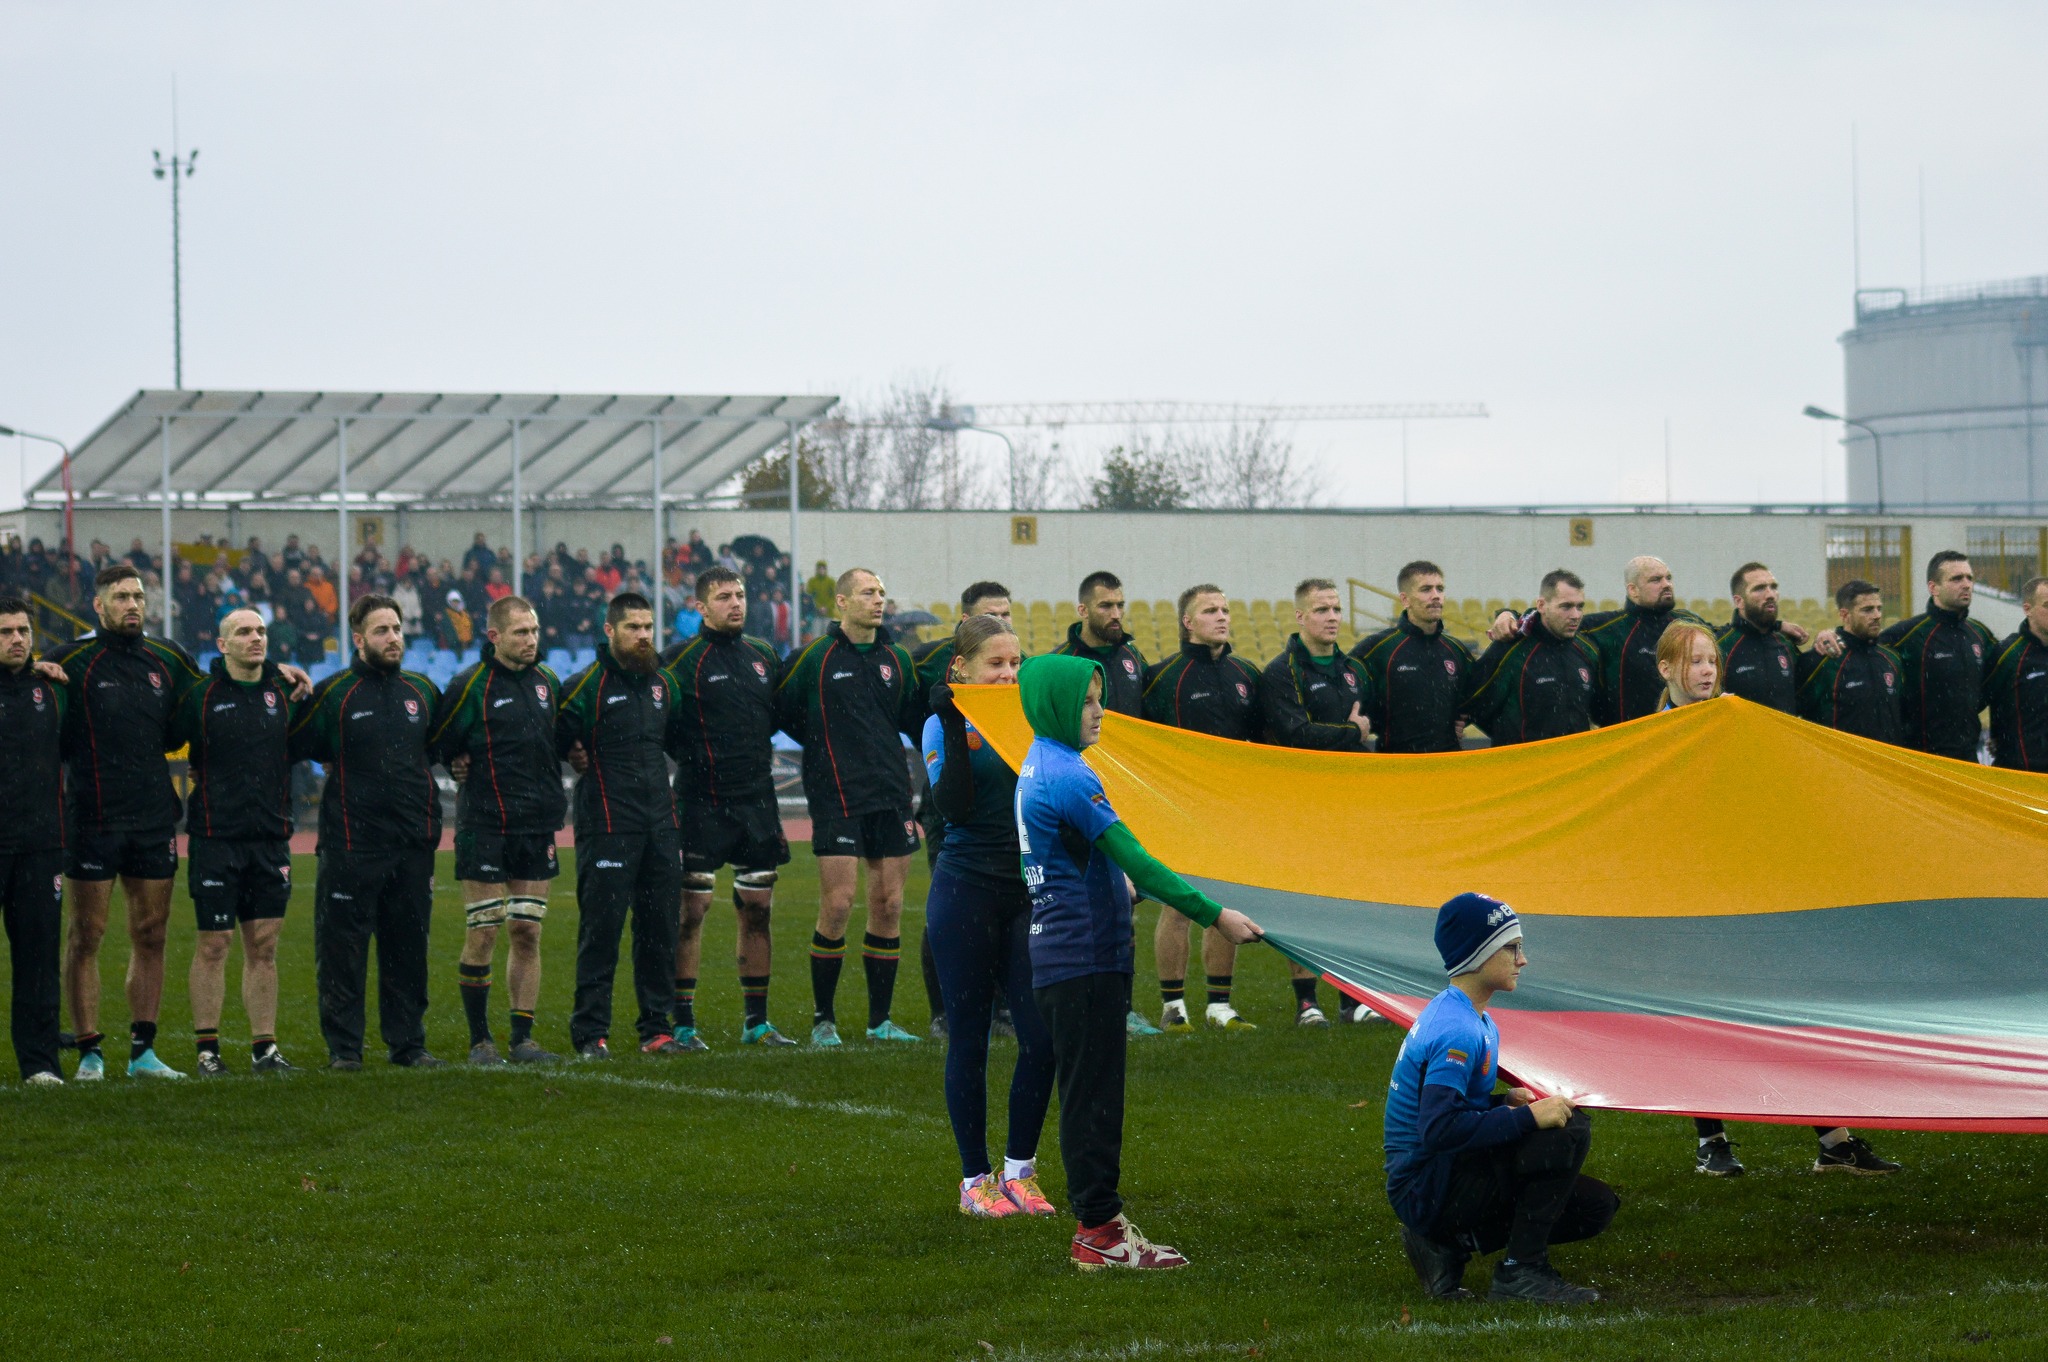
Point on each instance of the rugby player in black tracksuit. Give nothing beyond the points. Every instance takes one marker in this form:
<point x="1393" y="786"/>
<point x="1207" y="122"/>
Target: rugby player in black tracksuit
<point x="614" y="723"/>
<point x="850" y="697"/>
<point x="31" y="842"/>
<point x="1312" y="696"/>
<point x="2017" y="688"/>
<point x="1759" y="660"/>
<point x="1099" y="636"/>
<point x="1542" y="683"/>
<point x="1625" y="641"/>
<point x="1418" y="679"/>
<point x="495" y="731"/>
<point x="122" y="811"/>
<point x="236" y="727"/>
<point x="1859" y="690"/>
<point x="722" y="738"/>
<point x="934" y="661"/>
<point x="1203" y="687"/>
<point x="380" y="824"/>
<point x="1947" y="656"/>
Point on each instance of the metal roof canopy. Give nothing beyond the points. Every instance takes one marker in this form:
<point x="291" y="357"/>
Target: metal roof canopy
<point x="426" y="450"/>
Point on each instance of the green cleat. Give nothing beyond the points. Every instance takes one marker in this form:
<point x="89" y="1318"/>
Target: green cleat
<point x="889" y="1030"/>
<point x="1136" y="1025"/>
<point x="688" y="1041"/>
<point x="825" y="1033"/>
<point x="764" y="1034"/>
<point x="147" y="1065"/>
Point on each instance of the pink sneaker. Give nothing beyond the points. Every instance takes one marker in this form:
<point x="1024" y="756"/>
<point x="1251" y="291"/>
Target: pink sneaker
<point x="1119" y="1244"/>
<point x="1025" y="1196"/>
<point x="983" y="1197"/>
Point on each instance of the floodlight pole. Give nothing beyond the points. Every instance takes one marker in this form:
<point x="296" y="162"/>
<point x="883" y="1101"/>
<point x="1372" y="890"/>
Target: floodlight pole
<point x="169" y="605"/>
<point x="654" y="563"/>
<point x="341" y="554"/>
<point x="177" y="168"/>
<point x="518" y="568"/>
<point x="796" y="605"/>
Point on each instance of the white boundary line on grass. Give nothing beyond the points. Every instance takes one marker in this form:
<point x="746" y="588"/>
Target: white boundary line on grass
<point x="767" y="1097"/>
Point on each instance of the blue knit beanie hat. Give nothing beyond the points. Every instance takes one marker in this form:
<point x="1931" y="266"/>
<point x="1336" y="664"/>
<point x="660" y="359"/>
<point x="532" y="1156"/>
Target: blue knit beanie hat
<point x="1471" y="927"/>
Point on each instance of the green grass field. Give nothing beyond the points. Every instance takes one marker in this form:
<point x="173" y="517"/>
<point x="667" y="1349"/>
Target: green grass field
<point x="801" y="1204"/>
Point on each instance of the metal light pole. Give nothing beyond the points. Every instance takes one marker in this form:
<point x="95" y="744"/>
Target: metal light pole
<point x="962" y="418"/>
<point x="176" y="168"/>
<point x="72" y="554"/>
<point x="1876" y="445"/>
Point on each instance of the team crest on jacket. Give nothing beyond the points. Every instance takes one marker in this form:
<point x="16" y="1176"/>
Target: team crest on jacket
<point x="888" y="672"/>
<point x="657" y="693"/>
<point x="1585" y="676"/>
<point x="1451" y="665"/>
<point x="155" y="682"/>
<point x="1887" y="680"/>
<point x="540" y="691"/>
<point x="760" y="669"/>
<point x="270" y="699"/>
<point x="1978" y="650"/>
<point x="1130" y="669"/>
<point x="1784" y="663"/>
<point x="1243" y="691"/>
<point x="412" y="710"/>
<point x="1351" y="680"/>
<point x="36" y="696"/>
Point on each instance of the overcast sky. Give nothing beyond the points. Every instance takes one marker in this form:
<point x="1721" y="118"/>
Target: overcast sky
<point x="1590" y="217"/>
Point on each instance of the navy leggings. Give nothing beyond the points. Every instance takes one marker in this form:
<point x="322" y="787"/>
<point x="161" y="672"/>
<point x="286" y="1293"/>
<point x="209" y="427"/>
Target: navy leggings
<point x="981" y="939"/>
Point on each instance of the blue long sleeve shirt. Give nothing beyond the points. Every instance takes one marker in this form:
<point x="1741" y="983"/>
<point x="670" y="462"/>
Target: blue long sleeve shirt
<point x="1441" y="1103"/>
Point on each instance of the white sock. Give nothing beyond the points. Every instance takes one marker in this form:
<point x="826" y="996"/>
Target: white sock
<point x="1834" y="1137"/>
<point x="1709" y="1139"/>
<point x="1014" y="1169"/>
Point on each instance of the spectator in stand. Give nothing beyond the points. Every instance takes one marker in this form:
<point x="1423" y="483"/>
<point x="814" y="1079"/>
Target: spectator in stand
<point x="760" y="614"/>
<point x="433" y="597"/>
<point x="583" y="610"/>
<point x="689" y="618"/>
<point x="731" y="563"/>
<point x="325" y="598"/>
<point x="781" y="616"/>
<point x="495" y="589"/>
<point x="314" y="560"/>
<point x="700" y="552"/>
<point x="530" y="578"/>
<point x="479" y="555"/>
<point x="139" y="556"/>
<point x="553" y="615"/>
<point x="458" y="631"/>
<point x="294" y="556"/>
<point x="610" y="574"/>
<point x="407" y="594"/>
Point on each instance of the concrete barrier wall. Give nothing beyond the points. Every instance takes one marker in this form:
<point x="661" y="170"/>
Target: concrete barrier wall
<point x="929" y="555"/>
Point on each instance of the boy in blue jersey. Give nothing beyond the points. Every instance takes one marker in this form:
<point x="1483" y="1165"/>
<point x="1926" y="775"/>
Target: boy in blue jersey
<point x="1470" y="1170"/>
<point x="1076" y="854"/>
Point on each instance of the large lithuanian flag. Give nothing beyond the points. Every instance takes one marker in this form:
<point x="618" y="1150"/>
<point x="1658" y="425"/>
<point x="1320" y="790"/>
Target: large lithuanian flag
<point x="1729" y="912"/>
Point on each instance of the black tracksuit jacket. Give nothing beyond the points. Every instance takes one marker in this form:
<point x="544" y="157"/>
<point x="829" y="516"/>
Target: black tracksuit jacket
<point x="117" y="729"/>
<point x="1760" y="665"/>
<point x="504" y="721"/>
<point x="2017" y="690"/>
<point x="1946" y="656"/>
<point x="1417" y="685"/>
<point x="1858" y="692"/>
<point x="622" y="718"/>
<point x="851" y="709"/>
<point x="238" y="740"/>
<point x="722" y="734"/>
<point x="1536" y="686"/>
<point x="369" y="727"/>
<point x="1214" y="695"/>
<point x="32" y="775"/>
<point x="1123" y="672"/>
<point x="1302" y="704"/>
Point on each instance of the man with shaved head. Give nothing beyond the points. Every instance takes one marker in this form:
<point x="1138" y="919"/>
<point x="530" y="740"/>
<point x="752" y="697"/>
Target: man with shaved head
<point x="1625" y="641"/>
<point x="236" y="724"/>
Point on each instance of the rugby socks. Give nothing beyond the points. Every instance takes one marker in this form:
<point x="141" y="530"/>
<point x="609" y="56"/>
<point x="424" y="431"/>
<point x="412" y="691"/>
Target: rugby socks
<point x="828" y="956"/>
<point x="1014" y="1169"/>
<point x="259" y="1046"/>
<point x="141" y="1039"/>
<point x="686" y="1004"/>
<point x="1219" y="989"/>
<point x="522" y="1027"/>
<point x="1173" y="991"/>
<point x="88" y="1042"/>
<point x="208" y="1039"/>
<point x="879" y="957"/>
<point x="754" y="994"/>
<point x="1304" y="994"/>
<point x="476" y="1000"/>
<point x="1834" y="1137"/>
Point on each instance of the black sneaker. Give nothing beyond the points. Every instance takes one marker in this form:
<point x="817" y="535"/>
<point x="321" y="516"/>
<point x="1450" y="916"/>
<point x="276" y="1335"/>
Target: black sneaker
<point x="484" y="1052"/>
<point x="937" y="1029"/>
<point x="1716" y="1158"/>
<point x="210" y="1065"/>
<point x="272" y="1061"/>
<point x="529" y="1052"/>
<point x="595" y="1049"/>
<point x="1853" y="1156"/>
<point x="419" y="1059"/>
<point x="339" y="1064"/>
<point x="1538" y="1283"/>
<point x="1440" y="1266"/>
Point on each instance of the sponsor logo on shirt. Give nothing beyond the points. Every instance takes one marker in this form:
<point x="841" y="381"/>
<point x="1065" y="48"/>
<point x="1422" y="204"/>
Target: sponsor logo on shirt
<point x="361" y="714"/>
<point x="609" y="865"/>
<point x="497" y="704"/>
<point x="218" y="708"/>
<point x="841" y="676"/>
<point x="613" y="699"/>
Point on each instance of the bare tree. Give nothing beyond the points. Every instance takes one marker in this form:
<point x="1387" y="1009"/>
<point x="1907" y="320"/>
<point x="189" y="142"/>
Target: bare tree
<point x="1039" y="475"/>
<point x="887" y="454"/>
<point x="1243" y="468"/>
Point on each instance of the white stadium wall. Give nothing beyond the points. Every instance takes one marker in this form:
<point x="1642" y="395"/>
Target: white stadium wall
<point x="929" y="555"/>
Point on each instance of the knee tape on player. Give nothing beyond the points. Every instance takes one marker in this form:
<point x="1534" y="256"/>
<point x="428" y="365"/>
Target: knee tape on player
<point x="755" y="879"/>
<point x="696" y="882"/>
<point x="483" y="913"/>
<point x="525" y="909"/>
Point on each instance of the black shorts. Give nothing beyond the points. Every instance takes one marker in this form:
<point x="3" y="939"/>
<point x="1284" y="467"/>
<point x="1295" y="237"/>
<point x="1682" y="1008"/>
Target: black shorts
<point x="870" y="836"/>
<point x="743" y="836"/>
<point x="151" y="855"/>
<point x="498" y="857"/>
<point x="236" y="881"/>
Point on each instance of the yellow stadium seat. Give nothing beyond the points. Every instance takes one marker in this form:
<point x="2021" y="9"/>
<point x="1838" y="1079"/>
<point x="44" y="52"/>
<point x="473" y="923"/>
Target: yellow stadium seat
<point x="1608" y="605"/>
<point x="1494" y="607"/>
<point x="1518" y="606"/>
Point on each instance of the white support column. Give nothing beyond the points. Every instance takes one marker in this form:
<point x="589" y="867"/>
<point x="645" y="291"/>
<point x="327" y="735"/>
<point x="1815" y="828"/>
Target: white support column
<point x="170" y="571"/>
<point x="796" y="575"/>
<point x="341" y="555"/>
<point x="654" y="562"/>
<point x="516" y="572"/>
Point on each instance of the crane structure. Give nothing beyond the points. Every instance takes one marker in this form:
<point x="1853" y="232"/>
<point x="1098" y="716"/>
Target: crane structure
<point x="1126" y="413"/>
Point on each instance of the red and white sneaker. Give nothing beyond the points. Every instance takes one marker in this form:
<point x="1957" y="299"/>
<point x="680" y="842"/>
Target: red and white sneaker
<point x="1119" y="1244"/>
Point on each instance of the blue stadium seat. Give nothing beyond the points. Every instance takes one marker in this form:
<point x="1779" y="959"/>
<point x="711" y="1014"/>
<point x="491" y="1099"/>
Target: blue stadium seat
<point x="583" y="657"/>
<point x="439" y="673"/>
<point x="206" y="661"/>
<point x="444" y="659"/>
<point x="559" y="661"/>
<point x="320" y="671"/>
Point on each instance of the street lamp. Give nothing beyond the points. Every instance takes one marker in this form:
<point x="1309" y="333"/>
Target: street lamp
<point x="952" y="419"/>
<point x="1876" y="444"/>
<point x="70" y="544"/>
